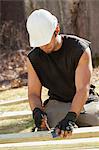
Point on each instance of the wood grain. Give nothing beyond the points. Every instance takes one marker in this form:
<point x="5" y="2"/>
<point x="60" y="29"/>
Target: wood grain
<point x="45" y="135"/>
<point x="71" y="144"/>
<point x="11" y="102"/>
<point x="14" y="114"/>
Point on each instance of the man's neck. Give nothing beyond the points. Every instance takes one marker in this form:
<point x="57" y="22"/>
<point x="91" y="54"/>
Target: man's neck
<point x="59" y="42"/>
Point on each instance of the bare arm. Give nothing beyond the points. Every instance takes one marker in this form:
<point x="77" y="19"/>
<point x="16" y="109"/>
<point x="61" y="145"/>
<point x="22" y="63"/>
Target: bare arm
<point x="34" y="87"/>
<point x="82" y="81"/>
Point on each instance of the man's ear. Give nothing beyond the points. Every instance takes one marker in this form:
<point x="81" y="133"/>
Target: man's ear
<point x="57" y="30"/>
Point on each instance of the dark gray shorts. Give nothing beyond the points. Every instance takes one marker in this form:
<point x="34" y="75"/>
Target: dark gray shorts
<point x="57" y="110"/>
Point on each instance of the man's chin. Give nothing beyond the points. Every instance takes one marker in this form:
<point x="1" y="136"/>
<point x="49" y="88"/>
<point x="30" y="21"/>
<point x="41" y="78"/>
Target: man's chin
<point x="50" y="51"/>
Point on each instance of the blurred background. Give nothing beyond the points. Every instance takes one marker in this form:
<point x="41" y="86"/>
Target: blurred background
<point x="78" y="17"/>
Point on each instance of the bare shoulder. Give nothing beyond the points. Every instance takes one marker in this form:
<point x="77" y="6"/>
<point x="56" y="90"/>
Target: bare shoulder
<point x="84" y="70"/>
<point x="30" y="69"/>
<point x="86" y="57"/>
<point x="29" y="65"/>
<point x="34" y="84"/>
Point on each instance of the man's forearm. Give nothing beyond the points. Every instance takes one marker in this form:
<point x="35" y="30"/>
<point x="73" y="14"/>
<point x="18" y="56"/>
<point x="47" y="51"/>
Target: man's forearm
<point x="34" y="102"/>
<point x="79" y="100"/>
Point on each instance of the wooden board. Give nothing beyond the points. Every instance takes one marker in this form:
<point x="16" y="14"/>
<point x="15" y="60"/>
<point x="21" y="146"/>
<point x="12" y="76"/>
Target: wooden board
<point x="14" y="114"/>
<point x="85" y="132"/>
<point x="11" y="102"/>
<point x="67" y="144"/>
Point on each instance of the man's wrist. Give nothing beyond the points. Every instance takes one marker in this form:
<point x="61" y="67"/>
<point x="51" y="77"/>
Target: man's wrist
<point x="71" y="116"/>
<point x="35" y="110"/>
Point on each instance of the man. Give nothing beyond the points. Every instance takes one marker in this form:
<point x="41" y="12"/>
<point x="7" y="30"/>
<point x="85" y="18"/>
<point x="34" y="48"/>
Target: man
<point x="61" y="63"/>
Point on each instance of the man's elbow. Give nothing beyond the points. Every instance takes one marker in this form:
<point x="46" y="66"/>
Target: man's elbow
<point x="85" y="91"/>
<point x="33" y="96"/>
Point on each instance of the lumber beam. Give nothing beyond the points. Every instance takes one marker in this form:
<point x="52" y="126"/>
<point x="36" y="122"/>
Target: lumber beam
<point x="72" y="144"/>
<point x="14" y="114"/>
<point x="85" y="132"/>
<point x="11" y="102"/>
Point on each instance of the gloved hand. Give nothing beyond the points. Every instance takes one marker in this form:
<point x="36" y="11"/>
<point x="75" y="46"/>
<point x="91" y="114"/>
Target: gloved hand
<point x="39" y="116"/>
<point x="66" y="125"/>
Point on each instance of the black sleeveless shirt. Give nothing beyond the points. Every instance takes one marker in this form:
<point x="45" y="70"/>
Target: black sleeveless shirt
<point x="56" y="71"/>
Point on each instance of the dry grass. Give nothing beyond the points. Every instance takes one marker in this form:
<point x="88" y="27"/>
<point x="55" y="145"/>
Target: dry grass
<point x="16" y="107"/>
<point x="17" y="125"/>
<point x="13" y="94"/>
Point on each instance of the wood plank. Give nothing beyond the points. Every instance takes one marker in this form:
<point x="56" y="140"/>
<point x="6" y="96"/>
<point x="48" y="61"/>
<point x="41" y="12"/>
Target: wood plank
<point x="14" y="114"/>
<point x="11" y="102"/>
<point x="58" y="144"/>
<point x="85" y="132"/>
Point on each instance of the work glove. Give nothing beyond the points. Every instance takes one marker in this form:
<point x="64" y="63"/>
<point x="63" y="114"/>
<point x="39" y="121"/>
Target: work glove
<point x="39" y="116"/>
<point x="67" y="124"/>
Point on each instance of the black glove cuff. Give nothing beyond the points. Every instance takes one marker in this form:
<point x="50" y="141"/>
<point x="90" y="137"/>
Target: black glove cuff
<point x="71" y="116"/>
<point x="36" y="110"/>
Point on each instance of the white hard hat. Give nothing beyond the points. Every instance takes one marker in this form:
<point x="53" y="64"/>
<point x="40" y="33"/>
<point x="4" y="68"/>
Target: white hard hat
<point x="41" y="25"/>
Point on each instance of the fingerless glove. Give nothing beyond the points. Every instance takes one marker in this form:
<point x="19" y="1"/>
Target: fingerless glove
<point x="38" y="115"/>
<point x="68" y="123"/>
